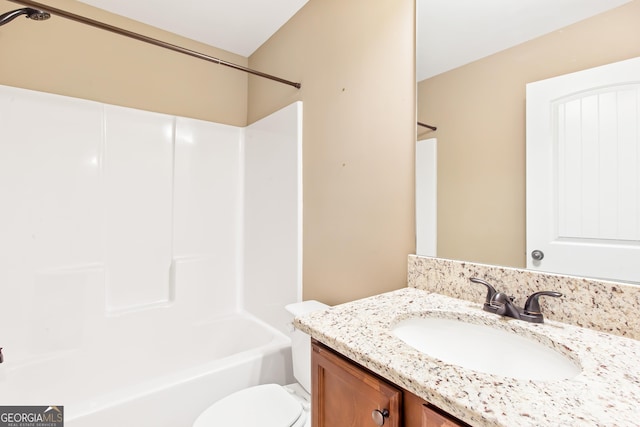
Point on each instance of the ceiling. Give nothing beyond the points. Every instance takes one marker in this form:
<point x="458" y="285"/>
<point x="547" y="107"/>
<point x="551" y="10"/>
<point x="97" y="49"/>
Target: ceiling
<point x="450" y="33"/>
<point x="239" y="26"/>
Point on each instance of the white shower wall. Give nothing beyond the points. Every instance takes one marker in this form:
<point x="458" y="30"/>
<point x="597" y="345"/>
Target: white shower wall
<point x="110" y="213"/>
<point x="273" y="215"/>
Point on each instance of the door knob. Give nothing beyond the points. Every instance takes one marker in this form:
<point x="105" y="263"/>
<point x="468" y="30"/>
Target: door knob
<point x="379" y="416"/>
<point x="537" y="255"/>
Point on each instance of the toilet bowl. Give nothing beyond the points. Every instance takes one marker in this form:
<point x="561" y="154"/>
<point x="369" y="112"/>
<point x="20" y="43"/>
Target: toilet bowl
<point x="271" y="405"/>
<point x="267" y="405"/>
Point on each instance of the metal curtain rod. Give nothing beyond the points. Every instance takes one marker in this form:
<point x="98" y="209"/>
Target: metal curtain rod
<point x="150" y="40"/>
<point x="427" y="126"/>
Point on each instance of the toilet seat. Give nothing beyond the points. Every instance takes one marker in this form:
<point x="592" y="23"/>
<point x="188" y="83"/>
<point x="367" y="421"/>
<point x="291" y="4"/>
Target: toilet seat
<point x="267" y="405"/>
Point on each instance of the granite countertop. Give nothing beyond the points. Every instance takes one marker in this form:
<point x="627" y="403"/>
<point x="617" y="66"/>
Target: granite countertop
<point x="605" y="393"/>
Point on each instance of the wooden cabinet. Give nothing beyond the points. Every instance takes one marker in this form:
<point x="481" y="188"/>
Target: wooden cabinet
<point x="434" y="417"/>
<point x="344" y="394"/>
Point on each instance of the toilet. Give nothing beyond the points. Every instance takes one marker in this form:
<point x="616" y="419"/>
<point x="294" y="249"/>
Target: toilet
<point x="272" y="405"/>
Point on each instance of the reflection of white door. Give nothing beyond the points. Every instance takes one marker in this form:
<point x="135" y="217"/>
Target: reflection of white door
<point x="583" y="174"/>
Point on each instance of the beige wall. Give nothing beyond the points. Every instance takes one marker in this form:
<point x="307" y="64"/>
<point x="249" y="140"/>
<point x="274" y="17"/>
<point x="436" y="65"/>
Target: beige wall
<point x="68" y="58"/>
<point x="480" y="113"/>
<point x="355" y="59"/>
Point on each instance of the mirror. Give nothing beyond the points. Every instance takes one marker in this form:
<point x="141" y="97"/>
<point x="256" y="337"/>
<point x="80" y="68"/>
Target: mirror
<point x="477" y="101"/>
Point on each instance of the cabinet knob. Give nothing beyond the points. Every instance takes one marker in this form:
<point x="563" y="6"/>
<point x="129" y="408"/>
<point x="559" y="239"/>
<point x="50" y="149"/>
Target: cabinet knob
<point x="379" y="416"/>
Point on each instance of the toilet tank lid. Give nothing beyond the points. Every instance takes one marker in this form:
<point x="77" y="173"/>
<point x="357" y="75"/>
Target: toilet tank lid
<point x="304" y="307"/>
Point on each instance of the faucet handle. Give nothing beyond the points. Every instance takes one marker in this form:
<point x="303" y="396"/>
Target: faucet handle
<point x="532" y="306"/>
<point x="491" y="291"/>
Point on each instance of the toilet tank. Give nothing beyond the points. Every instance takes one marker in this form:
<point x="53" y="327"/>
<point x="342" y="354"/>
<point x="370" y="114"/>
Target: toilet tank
<point x="301" y="342"/>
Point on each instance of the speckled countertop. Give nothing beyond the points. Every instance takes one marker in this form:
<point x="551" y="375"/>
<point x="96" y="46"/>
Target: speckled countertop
<point x="605" y="393"/>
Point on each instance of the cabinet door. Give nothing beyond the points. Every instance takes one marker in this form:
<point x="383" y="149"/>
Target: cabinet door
<point x="412" y="412"/>
<point x="346" y="395"/>
<point x="418" y="412"/>
<point x="433" y="418"/>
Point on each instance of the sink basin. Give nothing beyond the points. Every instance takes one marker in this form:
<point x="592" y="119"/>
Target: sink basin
<point x="485" y="349"/>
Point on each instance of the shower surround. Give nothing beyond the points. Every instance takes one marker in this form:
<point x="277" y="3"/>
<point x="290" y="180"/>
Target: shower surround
<point x="130" y="238"/>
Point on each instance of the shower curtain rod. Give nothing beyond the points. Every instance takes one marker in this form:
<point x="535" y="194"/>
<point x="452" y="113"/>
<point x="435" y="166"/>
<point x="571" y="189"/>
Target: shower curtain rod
<point x="427" y="126"/>
<point x="150" y="40"/>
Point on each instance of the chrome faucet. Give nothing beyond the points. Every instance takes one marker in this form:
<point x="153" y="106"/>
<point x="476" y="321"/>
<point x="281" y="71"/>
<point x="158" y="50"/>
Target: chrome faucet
<point x="503" y="305"/>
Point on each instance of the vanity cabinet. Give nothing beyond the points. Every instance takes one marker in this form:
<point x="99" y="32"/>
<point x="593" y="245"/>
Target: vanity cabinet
<point x="418" y="412"/>
<point x="346" y="394"/>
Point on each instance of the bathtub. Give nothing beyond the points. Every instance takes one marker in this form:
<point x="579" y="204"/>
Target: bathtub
<point x="160" y="379"/>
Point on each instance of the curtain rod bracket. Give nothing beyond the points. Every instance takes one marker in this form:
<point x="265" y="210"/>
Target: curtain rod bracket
<point x="427" y="126"/>
<point x="97" y="24"/>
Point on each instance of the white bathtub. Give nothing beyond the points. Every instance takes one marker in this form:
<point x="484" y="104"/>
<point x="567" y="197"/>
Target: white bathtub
<point x="159" y="379"/>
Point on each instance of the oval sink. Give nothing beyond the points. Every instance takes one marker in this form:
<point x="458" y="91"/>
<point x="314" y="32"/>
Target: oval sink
<point x="485" y="349"/>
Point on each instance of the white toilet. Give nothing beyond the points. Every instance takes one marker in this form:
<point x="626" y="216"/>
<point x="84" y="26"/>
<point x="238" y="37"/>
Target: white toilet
<point x="271" y="405"/>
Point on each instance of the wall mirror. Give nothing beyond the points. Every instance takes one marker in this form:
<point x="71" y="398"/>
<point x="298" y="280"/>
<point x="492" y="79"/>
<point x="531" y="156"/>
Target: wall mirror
<point x="473" y="64"/>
